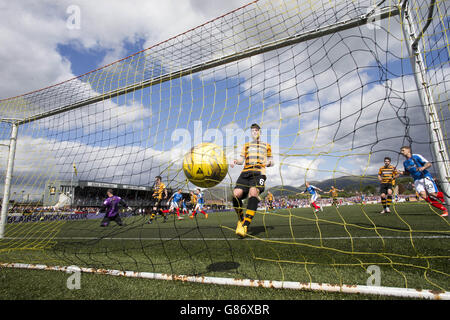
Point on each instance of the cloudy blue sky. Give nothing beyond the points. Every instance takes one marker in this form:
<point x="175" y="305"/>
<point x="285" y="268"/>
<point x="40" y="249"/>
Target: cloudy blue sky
<point x="331" y="106"/>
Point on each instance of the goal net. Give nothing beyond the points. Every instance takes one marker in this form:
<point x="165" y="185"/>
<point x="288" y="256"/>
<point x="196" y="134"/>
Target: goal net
<point x="336" y="86"/>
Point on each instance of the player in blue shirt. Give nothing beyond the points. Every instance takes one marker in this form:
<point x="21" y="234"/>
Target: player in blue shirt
<point x="417" y="167"/>
<point x="312" y="190"/>
<point x="199" y="205"/>
<point x="175" y="203"/>
<point x="111" y="209"/>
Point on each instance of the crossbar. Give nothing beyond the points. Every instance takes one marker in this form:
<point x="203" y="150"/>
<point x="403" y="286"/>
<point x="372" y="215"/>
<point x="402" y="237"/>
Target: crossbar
<point x="380" y="14"/>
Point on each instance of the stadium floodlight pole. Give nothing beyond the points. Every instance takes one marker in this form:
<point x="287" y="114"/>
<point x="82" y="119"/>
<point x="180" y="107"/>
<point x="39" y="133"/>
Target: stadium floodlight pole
<point x="426" y="97"/>
<point x="374" y="15"/>
<point x="8" y="178"/>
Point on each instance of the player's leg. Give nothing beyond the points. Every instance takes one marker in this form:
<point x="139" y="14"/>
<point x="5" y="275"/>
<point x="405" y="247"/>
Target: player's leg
<point x="428" y="191"/>
<point x="252" y="206"/>
<point x="177" y="208"/>
<point x="257" y="186"/>
<point x="164" y="212"/>
<point x="194" y="212"/>
<point x="153" y="212"/>
<point x="202" y="211"/>
<point x="383" y="201"/>
<point x="105" y="222"/>
<point x="238" y="194"/>
<point x="388" y="200"/>
<point x="335" y="202"/>
<point x="117" y="219"/>
<point x="317" y="201"/>
<point x="313" y="202"/>
<point x="155" y="209"/>
<point x="433" y="199"/>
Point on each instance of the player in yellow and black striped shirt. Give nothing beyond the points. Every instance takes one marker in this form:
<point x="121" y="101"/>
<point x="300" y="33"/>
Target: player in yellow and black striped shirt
<point x="387" y="175"/>
<point x="159" y="193"/>
<point x="255" y="157"/>
<point x="269" y="199"/>
<point x="334" y="194"/>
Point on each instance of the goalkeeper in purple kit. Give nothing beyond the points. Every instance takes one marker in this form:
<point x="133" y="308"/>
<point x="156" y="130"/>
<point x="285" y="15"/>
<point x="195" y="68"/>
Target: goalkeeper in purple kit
<point x="111" y="209"/>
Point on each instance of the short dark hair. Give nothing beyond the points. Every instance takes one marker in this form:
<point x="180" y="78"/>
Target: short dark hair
<point x="387" y="158"/>
<point x="406" y="147"/>
<point x="255" y="125"/>
<point x="158" y="177"/>
<point x="110" y="191"/>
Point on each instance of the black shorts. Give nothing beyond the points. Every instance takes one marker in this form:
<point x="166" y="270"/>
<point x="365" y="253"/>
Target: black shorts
<point x="251" y="179"/>
<point x="157" y="204"/>
<point x="384" y="187"/>
<point x="106" y="220"/>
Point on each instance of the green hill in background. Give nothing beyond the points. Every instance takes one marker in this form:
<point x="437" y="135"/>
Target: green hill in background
<point x="351" y="184"/>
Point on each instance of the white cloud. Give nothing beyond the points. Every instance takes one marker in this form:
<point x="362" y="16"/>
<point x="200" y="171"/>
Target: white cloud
<point x="32" y="31"/>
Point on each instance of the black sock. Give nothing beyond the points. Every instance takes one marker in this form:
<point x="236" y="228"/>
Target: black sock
<point x="252" y="206"/>
<point x="237" y="205"/>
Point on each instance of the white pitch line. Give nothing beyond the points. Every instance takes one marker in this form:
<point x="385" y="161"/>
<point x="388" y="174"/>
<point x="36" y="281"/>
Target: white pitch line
<point x="228" y="239"/>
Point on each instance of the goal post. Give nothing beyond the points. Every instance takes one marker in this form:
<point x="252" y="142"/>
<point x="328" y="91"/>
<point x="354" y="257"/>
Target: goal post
<point x="8" y="178"/>
<point x="430" y="111"/>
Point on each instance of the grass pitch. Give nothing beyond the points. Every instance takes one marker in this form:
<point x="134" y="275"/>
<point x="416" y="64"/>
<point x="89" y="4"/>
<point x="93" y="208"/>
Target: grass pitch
<point x="410" y="246"/>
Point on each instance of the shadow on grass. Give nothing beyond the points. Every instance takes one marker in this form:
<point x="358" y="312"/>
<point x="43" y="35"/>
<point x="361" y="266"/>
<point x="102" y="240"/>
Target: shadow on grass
<point x="222" y="266"/>
<point x="256" y="230"/>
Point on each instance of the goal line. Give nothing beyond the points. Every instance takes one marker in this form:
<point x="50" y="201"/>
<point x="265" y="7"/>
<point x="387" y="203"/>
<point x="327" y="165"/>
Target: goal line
<point x="324" y="287"/>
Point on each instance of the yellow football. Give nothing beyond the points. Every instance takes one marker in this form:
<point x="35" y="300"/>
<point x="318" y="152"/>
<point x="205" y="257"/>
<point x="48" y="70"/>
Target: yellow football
<point x="205" y="165"/>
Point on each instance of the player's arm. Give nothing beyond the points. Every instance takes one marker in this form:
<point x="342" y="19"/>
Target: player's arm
<point x="102" y="208"/>
<point x="396" y="173"/>
<point x="403" y="172"/>
<point x="270" y="161"/>
<point x="239" y="161"/>
<point x="165" y="193"/>
<point x="124" y="204"/>
<point x="380" y="178"/>
<point x="426" y="166"/>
